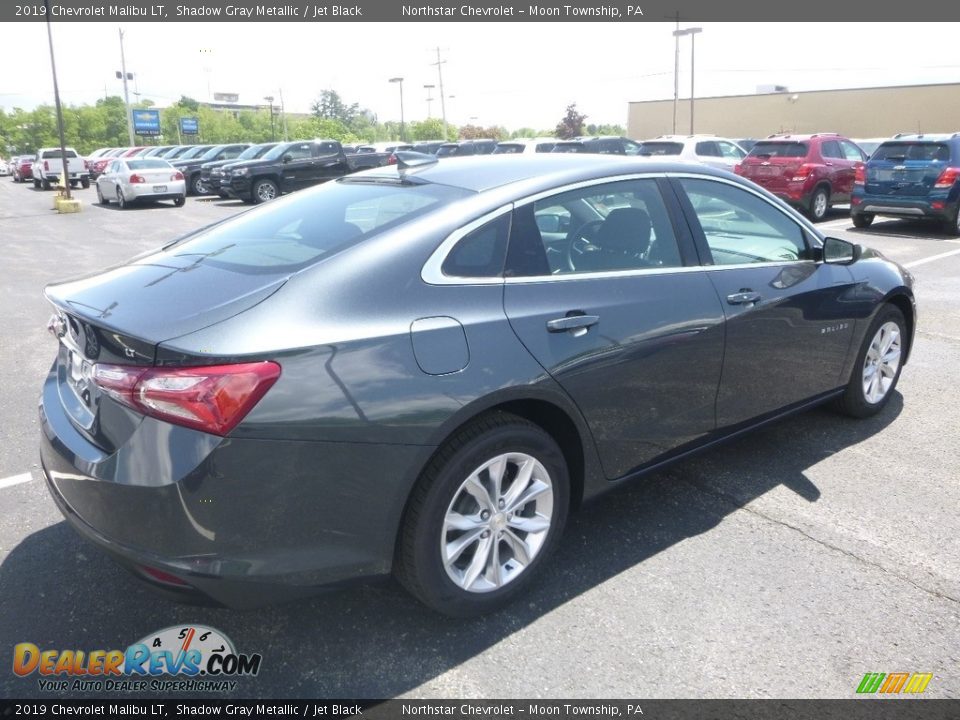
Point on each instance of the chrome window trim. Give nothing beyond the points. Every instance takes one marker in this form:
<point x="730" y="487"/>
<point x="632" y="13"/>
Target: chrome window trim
<point x="804" y="223"/>
<point x="432" y="271"/>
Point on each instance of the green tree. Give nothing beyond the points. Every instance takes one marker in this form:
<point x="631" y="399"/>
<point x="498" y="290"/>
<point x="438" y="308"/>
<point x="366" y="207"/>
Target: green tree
<point x="572" y="123"/>
<point x="429" y="129"/>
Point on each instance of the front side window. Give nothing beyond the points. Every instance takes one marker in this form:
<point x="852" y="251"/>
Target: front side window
<point x="730" y="151"/>
<point x="602" y="228"/>
<point x="742" y="228"/>
<point x="851" y="151"/>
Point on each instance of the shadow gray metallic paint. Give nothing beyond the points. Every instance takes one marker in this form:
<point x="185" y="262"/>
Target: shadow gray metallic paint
<point x="310" y="489"/>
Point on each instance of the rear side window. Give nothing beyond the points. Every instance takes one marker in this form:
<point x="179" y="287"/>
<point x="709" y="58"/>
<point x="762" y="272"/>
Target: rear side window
<point x="480" y="253"/>
<point x="294" y="232"/>
<point x="900" y="151"/>
<point x="661" y="148"/>
<point x="708" y="149"/>
<point x="831" y="149"/>
<point x="779" y="149"/>
<point x="545" y="147"/>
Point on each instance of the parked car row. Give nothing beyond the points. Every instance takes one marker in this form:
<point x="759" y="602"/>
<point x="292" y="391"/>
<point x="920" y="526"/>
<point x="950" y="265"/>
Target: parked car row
<point x="45" y="167"/>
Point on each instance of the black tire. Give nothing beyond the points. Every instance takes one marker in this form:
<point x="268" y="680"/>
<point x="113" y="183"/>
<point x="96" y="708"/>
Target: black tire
<point x="854" y="402"/>
<point x="862" y="220"/>
<point x="101" y="200"/>
<point x="419" y="565"/>
<point x="263" y="190"/>
<point x="36" y="184"/>
<point x="952" y="225"/>
<point x="223" y="196"/>
<point x="196" y="185"/>
<point x="121" y="200"/>
<point x="819" y="204"/>
<point x="84" y="183"/>
<point x="46" y="184"/>
<point x="180" y="201"/>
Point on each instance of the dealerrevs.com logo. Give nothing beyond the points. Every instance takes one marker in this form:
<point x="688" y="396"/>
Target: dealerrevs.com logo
<point x="184" y="659"/>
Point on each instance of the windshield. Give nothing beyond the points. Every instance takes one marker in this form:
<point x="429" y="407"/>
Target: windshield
<point x="779" y="149"/>
<point x="212" y="153"/>
<point x="277" y="151"/>
<point x="928" y="151"/>
<point x="661" y="148"/>
<point x="194" y="152"/>
<point x="255" y="151"/>
<point x="301" y="229"/>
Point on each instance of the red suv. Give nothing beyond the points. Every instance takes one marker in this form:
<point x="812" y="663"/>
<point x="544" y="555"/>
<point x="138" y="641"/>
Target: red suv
<point x="811" y="172"/>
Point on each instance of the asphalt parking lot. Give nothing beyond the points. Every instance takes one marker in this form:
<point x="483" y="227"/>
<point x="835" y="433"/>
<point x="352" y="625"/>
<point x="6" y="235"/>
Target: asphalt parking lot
<point x="786" y="564"/>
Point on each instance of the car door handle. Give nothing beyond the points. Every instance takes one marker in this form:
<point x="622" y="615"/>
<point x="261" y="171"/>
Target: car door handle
<point x="576" y="325"/>
<point x="744" y="297"/>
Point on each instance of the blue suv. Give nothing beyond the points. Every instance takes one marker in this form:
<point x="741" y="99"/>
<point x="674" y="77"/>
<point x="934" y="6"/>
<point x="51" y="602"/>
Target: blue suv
<point x="910" y="176"/>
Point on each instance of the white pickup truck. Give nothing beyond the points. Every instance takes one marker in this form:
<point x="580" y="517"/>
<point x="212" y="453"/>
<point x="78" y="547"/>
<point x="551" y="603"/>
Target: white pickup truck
<point x="48" y="166"/>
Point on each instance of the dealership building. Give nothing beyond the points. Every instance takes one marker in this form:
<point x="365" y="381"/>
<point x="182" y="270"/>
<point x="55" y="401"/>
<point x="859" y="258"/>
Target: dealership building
<point x="856" y="113"/>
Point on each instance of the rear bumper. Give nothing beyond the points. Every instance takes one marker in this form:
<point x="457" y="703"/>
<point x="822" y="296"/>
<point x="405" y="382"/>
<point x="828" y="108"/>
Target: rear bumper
<point x="174" y="189"/>
<point x="935" y="208"/>
<point x="242" y="522"/>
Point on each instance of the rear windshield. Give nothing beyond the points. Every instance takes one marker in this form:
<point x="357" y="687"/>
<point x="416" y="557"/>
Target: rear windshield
<point x="301" y="229"/>
<point x="55" y="154"/>
<point x="507" y="149"/>
<point x="929" y="151"/>
<point x="576" y="147"/>
<point x="779" y="149"/>
<point x="148" y="164"/>
<point x="661" y="148"/>
<point x="445" y="150"/>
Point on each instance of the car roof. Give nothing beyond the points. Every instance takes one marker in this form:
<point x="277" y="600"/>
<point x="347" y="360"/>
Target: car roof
<point x="794" y="137"/>
<point x="932" y="137"/>
<point x="548" y="170"/>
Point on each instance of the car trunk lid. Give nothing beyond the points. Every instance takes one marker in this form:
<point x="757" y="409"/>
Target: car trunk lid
<point x="121" y="315"/>
<point x="773" y="164"/>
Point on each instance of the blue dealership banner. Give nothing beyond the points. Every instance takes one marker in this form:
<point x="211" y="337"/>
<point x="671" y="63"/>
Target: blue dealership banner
<point x="146" y="122"/>
<point x="189" y="126"/>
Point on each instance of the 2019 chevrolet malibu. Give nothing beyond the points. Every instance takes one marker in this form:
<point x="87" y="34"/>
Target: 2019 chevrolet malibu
<point x="422" y="368"/>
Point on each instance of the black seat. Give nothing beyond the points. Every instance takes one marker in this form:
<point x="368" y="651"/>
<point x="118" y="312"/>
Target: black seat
<point x="621" y="241"/>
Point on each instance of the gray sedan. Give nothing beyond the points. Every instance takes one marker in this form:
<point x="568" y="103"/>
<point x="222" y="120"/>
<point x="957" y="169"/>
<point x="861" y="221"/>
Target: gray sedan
<point x="130" y="180"/>
<point x="423" y="368"/>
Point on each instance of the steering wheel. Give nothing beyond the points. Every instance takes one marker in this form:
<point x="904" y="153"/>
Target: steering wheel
<point x="579" y="243"/>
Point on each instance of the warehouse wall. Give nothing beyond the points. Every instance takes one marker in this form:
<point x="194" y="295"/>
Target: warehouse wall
<point x="863" y="113"/>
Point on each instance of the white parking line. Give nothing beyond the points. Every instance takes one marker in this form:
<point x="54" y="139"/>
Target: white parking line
<point x="931" y="258"/>
<point x="21" y="478"/>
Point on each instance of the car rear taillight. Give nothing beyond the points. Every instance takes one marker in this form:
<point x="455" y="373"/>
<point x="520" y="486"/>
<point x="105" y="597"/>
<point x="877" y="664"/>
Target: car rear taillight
<point x="46" y="165"/>
<point x="177" y="176"/>
<point x="163" y="577"/>
<point x="803" y="172"/>
<point x="392" y="159"/>
<point x="213" y="399"/>
<point x="738" y="169"/>
<point x="137" y="178"/>
<point x="947" y="178"/>
<point x="860" y="175"/>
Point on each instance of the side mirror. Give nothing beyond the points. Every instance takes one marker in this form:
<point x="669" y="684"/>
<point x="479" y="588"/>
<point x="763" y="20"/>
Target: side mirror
<point x="840" y="252"/>
<point x="287" y="158"/>
<point x="548" y="223"/>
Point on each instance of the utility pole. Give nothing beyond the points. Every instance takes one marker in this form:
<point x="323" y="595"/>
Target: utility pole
<point x="402" y="128"/>
<point x="283" y="115"/>
<point x="443" y="105"/>
<point x="428" y="88"/>
<point x="56" y="98"/>
<point x="693" y="42"/>
<point x="126" y="92"/>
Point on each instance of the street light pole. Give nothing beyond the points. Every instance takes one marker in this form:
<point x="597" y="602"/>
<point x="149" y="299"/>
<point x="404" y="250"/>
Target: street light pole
<point x="676" y="72"/>
<point x="56" y="98"/>
<point x="402" y="128"/>
<point x="273" y="132"/>
<point x="428" y="88"/>
<point x="126" y="91"/>
<point x="693" y="43"/>
<point x="443" y="106"/>
<point x="692" y="32"/>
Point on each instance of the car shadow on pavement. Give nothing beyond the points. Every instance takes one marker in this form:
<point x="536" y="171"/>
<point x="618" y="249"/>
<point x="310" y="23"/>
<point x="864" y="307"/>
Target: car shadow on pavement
<point x="913" y="229"/>
<point x="375" y="641"/>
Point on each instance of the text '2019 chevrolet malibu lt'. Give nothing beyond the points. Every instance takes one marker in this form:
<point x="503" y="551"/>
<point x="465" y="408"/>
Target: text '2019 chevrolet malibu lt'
<point x="420" y="369"/>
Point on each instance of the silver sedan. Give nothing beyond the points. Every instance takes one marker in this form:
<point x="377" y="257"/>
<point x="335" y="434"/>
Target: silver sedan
<point x="133" y="179"/>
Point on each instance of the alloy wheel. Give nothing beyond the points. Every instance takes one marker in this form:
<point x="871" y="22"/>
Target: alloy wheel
<point x="497" y="522"/>
<point x="820" y="204"/>
<point x="266" y="191"/>
<point x="881" y="363"/>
